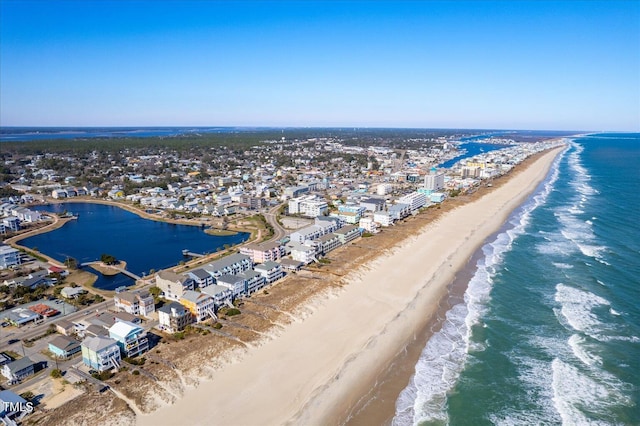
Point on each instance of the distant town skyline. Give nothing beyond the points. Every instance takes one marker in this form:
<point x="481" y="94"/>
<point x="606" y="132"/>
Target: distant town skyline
<point x="564" y="65"/>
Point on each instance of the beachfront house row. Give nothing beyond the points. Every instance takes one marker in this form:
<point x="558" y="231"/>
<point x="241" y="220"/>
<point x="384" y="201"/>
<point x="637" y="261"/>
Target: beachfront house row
<point x="18" y="369"/>
<point x="132" y="339"/>
<point x="63" y="347"/>
<point x="271" y="271"/>
<point x="139" y="302"/>
<point x="201" y="277"/>
<point x="264" y="252"/>
<point x="100" y="353"/>
<point x="222" y="295"/>
<point x="173" y="317"/>
<point x="200" y="305"/>
<point x="173" y="285"/>
<point x="233" y="264"/>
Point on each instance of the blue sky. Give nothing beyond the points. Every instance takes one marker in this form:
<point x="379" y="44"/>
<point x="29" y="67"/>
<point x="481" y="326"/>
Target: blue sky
<point x="571" y="65"/>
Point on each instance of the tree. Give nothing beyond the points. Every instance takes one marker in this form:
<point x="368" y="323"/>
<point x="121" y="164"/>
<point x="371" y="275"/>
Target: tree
<point x="108" y="259"/>
<point x="71" y="263"/>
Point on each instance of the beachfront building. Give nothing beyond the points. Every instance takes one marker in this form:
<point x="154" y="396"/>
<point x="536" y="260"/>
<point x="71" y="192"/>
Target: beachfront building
<point x="100" y="353"/>
<point x="264" y="252"/>
<point x="173" y="285"/>
<point x="383" y="218"/>
<point x="19" y="369"/>
<point x="63" y="347"/>
<point x="132" y="339"/>
<point x="348" y="233"/>
<point x="253" y="281"/>
<point x="415" y="200"/>
<point x="437" y="197"/>
<point x="233" y="264"/>
<point x="201" y="277"/>
<point x="11" y="224"/>
<point x="369" y="225"/>
<point x="302" y="253"/>
<point x="174" y="317"/>
<point x="271" y="271"/>
<point x="235" y="283"/>
<point x="9" y="257"/>
<point x="138" y="302"/>
<point x="221" y="295"/>
<point x="399" y="211"/>
<point x="328" y="242"/>
<point x="200" y="305"/>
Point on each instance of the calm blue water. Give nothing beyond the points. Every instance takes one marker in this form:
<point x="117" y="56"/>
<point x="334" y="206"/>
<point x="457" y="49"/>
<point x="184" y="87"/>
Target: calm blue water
<point x="472" y="149"/>
<point x="549" y="332"/>
<point x="143" y="244"/>
<point x="20" y="134"/>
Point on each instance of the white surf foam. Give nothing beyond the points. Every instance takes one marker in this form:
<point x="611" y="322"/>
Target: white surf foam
<point x="581" y="351"/>
<point x="445" y="355"/>
<point x="576" y="393"/>
<point x="576" y="308"/>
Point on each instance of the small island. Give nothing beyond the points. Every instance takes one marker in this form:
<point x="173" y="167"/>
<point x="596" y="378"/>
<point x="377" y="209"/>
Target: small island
<point x="108" y="265"/>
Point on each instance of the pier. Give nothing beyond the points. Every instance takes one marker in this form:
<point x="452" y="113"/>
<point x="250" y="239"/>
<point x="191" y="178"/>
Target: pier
<point x="186" y="252"/>
<point x="115" y="268"/>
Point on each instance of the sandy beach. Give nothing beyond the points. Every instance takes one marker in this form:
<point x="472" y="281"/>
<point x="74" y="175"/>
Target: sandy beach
<point x="319" y="368"/>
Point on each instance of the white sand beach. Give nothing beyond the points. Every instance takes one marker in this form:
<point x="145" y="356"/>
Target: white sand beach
<point x="318" y="368"/>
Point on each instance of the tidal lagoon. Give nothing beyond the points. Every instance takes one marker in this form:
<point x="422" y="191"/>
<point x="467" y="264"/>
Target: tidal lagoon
<point x="144" y="244"/>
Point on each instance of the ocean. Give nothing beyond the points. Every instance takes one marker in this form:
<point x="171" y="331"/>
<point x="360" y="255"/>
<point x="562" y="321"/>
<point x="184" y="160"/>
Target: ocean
<point x="549" y="329"/>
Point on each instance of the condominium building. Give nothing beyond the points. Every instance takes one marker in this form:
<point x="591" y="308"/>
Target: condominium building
<point x="309" y="206"/>
<point x="415" y="200"/>
<point x="264" y="252"/>
<point x="233" y="264"/>
<point x="271" y="271"/>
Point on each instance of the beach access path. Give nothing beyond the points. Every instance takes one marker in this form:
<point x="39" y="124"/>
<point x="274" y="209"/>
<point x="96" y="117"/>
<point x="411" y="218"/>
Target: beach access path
<point x="320" y="367"/>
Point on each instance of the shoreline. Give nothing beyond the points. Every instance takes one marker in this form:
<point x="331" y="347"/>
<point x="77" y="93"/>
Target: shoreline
<point x="320" y="368"/>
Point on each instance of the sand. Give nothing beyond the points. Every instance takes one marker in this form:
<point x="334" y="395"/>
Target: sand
<point x="319" y="368"/>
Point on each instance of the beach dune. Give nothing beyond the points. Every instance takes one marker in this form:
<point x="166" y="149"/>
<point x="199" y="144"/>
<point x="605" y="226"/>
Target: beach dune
<point x="320" y="367"/>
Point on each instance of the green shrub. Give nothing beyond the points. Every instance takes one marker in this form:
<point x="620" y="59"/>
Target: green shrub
<point x="56" y="374"/>
<point x="217" y="326"/>
<point x="233" y="311"/>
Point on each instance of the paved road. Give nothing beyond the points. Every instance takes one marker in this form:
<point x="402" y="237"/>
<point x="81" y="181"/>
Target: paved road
<point x="278" y="231"/>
